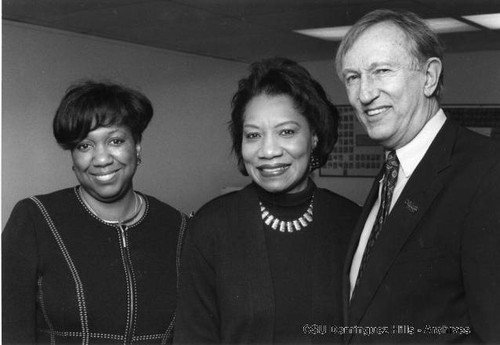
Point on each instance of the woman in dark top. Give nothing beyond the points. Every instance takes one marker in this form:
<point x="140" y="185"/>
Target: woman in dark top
<point x="96" y="263"/>
<point x="264" y="264"/>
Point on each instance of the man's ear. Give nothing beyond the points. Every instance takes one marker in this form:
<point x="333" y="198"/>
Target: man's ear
<point x="433" y="69"/>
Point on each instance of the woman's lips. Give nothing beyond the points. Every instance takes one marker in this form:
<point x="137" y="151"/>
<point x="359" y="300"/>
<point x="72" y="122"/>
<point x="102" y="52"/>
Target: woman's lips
<point x="273" y="170"/>
<point x="105" y="177"/>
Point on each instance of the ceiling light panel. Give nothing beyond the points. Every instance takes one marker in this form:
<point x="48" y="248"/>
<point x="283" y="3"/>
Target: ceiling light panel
<point x="491" y="21"/>
<point x="438" y="25"/>
<point x="330" y="34"/>
<point x="448" y="25"/>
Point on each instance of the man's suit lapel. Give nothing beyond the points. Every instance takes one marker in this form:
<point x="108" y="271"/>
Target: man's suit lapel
<point x="353" y="244"/>
<point x="424" y="185"/>
<point x="247" y="219"/>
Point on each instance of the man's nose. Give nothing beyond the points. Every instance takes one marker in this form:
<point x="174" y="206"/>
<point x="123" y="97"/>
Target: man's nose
<point x="368" y="90"/>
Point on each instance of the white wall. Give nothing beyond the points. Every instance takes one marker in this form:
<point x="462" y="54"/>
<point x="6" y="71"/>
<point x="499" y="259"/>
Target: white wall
<point x="186" y="149"/>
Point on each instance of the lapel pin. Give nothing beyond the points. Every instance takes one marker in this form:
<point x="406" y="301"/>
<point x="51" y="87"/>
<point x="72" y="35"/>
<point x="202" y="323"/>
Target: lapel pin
<point x="410" y="206"/>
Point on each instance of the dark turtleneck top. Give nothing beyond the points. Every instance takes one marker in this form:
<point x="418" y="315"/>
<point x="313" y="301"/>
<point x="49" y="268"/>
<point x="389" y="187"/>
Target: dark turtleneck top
<point x="290" y="257"/>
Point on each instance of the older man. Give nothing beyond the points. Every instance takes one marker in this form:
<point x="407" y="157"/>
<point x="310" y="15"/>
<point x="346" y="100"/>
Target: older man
<point x="424" y="261"/>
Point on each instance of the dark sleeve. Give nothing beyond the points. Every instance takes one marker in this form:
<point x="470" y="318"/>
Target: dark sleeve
<point x="481" y="259"/>
<point x="197" y="320"/>
<point x="19" y="277"/>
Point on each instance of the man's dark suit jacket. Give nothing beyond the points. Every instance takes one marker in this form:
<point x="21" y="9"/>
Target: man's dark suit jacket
<point x="435" y="268"/>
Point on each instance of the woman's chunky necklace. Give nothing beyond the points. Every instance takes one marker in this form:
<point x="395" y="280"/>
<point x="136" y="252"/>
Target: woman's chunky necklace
<point x="287" y="225"/>
<point x="137" y="209"/>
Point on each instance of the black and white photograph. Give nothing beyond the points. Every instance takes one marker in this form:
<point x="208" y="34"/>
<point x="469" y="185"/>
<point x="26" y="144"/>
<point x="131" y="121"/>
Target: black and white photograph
<point x="250" y="172"/>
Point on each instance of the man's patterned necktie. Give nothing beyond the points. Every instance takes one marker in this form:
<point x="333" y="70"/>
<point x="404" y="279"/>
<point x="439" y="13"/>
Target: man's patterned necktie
<point x="388" y="185"/>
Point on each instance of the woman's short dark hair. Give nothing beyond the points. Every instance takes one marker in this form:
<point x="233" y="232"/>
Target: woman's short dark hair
<point x="423" y="42"/>
<point x="89" y="105"/>
<point x="281" y="76"/>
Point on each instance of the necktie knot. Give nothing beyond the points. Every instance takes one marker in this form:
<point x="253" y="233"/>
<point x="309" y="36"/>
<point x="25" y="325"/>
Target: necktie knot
<point x="388" y="185"/>
<point x="391" y="170"/>
<point x="392" y="161"/>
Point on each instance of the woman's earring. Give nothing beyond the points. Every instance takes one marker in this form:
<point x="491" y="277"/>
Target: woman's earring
<point x="314" y="162"/>
<point x="139" y="160"/>
<point x="314" y="159"/>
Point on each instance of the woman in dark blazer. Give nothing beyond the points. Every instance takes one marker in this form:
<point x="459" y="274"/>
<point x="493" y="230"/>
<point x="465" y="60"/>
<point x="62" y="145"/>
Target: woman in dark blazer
<point x="263" y="265"/>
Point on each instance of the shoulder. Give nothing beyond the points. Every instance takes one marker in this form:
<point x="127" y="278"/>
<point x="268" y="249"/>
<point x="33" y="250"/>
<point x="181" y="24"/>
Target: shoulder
<point x="477" y="139"/>
<point x="29" y="213"/>
<point x="56" y="196"/>
<point x="36" y="202"/>
<point x="164" y="218"/>
<point x="472" y="144"/>
<point x="337" y="211"/>
<point x="336" y="214"/>
<point x="478" y="155"/>
<point x="223" y="204"/>
<point x="476" y="158"/>
<point x="158" y="206"/>
<point x="338" y="202"/>
<point x="214" y="218"/>
<point x="62" y="203"/>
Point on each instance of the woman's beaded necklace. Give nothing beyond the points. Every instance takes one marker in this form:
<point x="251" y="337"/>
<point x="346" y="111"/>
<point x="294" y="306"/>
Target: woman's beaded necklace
<point x="287" y="225"/>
